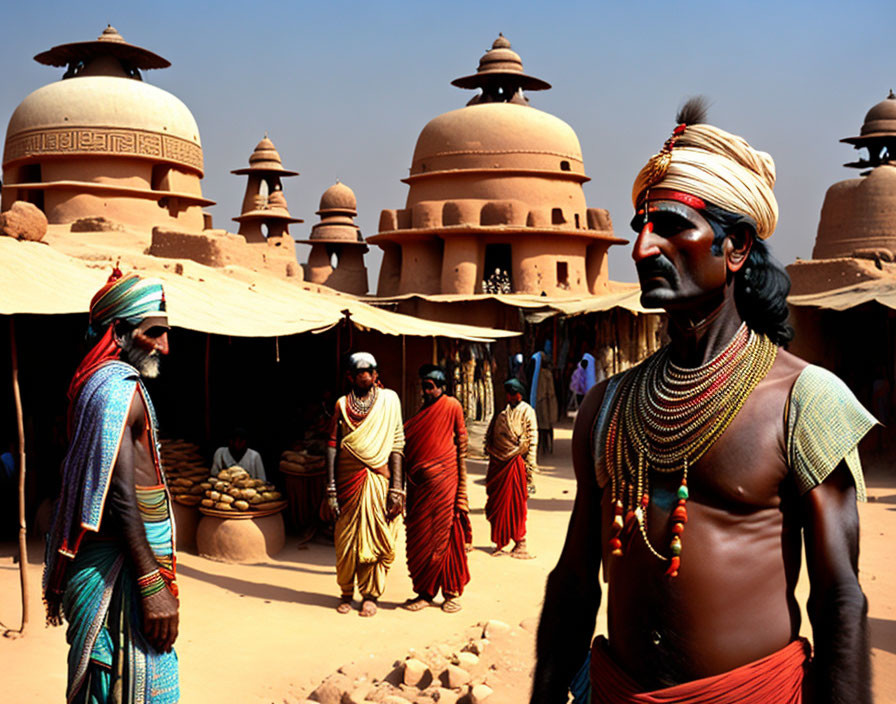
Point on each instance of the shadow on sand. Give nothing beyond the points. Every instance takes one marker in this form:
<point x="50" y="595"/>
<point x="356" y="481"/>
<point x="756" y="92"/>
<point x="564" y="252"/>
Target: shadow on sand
<point x="883" y="634"/>
<point x="260" y="590"/>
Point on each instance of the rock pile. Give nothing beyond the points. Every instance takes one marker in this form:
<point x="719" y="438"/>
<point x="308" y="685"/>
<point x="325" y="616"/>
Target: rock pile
<point x="491" y="664"/>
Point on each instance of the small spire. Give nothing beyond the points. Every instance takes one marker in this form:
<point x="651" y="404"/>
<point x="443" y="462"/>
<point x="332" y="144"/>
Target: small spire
<point x="501" y="42"/>
<point x="891" y="96"/>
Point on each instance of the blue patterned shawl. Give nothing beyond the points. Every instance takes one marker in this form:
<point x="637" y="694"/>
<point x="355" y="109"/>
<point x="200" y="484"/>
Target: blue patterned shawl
<point x="99" y="416"/>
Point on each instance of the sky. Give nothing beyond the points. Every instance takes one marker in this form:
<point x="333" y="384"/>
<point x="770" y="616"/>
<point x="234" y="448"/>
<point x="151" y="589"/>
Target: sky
<point x="344" y="88"/>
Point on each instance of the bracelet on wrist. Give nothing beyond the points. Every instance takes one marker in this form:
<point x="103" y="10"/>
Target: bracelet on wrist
<point x="150" y="583"/>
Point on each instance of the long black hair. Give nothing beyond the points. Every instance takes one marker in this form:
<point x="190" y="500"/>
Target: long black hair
<point x="762" y="283"/>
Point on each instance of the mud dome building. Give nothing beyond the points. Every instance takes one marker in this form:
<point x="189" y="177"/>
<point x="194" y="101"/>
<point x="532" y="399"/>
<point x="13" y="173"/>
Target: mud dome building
<point x="337" y="246"/>
<point x="495" y="202"/>
<point x="843" y="300"/>
<point x="103" y="143"/>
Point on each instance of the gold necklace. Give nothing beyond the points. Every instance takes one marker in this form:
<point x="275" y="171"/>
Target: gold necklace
<point x="666" y="417"/>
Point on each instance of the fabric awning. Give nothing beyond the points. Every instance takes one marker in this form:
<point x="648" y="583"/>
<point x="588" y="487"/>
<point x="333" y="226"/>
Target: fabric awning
<point x="539" y="308"/>
<point x="882" y="291"/>
<point x="37" y="279"/>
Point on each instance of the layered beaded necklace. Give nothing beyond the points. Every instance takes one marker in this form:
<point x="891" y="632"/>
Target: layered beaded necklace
<point x="665" y="418"/>
<point x="359" y="406"/>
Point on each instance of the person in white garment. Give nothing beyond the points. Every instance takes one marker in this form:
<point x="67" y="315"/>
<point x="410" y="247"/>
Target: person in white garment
<point x="238" y="452"/>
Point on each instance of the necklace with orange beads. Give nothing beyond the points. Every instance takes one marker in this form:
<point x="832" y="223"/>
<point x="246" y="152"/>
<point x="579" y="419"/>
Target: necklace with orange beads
<point x="664" y="418"/>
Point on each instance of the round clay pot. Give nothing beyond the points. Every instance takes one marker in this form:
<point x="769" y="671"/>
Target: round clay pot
<point x="242" y="540"/>
<point x="186" y="520"/>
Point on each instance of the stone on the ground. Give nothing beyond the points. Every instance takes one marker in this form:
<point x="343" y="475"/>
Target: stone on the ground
<point x="495" y="628"/>
<point x="95" y="224"/>
<point x="477" y="647"/>
<point x="454" y="677"/>
<point x="445" y="696"/>
<point x="358" y="695"/>
<point x="24" y="221"/>
<point x="414" y="671"/>
<point x="479" y="693"/>
<point x="395" y="699"/>
<point x="330" y="691"/>
<point x="446" y="651"/>
<point x="466" y="660"/>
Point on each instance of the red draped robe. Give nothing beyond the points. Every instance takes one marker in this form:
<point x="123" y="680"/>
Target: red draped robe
<point x="437" y="514"/>
<point x="775" y="679"/>
<point x="510" y="442"/>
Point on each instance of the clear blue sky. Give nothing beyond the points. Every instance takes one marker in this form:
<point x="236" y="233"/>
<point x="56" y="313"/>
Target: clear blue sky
<point x="343" y="89"/>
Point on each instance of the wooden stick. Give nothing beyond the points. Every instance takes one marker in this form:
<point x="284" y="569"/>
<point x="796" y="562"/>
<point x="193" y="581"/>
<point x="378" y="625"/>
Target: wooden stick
<point x="23" y="544"/>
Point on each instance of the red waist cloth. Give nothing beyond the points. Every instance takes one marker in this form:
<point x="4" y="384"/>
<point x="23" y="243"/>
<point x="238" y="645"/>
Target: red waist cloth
<point x="775" y="679"/>
<point x="505" y="507"/>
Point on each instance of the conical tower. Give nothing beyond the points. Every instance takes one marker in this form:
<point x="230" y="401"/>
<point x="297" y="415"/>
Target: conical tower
<point x="858" y="218"/>
<point x="265" y="213"/>
<point x="500" y="77"/>
<point x="337" y="237"/>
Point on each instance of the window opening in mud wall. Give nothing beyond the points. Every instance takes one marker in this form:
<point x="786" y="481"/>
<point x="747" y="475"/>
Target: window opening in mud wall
<point x="562" y="275"/>
<point x="564" y="166"/>
<point x="497" y="272"/>
<point x="557" y="216"/>
<point x="578" y="222"/>
<point x="160" y="181"/>
<point x="31" y="173"/>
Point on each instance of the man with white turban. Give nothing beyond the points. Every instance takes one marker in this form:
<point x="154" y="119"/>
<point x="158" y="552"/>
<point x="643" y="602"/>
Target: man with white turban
<point x="364" y="489"/>
<point x="700" y="470"/>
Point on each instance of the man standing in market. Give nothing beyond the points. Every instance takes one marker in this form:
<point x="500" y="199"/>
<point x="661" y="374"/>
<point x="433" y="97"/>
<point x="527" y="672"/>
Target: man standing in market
<point x="700" y="470"/>
<point x="364" y="487"/>
<point x="438" y="522"/>
<point x="511" y="442"/>
<point x="110" y="564"/>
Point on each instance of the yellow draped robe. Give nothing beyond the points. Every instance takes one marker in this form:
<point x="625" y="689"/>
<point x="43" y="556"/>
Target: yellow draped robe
<point x="365" y="538"/>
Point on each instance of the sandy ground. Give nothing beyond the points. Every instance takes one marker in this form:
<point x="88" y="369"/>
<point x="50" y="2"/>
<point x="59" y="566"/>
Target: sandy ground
<point x="269" y="632"/>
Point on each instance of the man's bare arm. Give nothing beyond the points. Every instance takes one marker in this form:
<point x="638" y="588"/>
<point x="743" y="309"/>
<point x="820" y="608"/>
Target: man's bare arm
<point x="160" y="610"/>
<point x="573" y="591"/>
<point x="841" y="669"/>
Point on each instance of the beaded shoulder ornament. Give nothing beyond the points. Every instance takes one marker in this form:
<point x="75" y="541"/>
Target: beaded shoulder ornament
<point x="665" y="418"/>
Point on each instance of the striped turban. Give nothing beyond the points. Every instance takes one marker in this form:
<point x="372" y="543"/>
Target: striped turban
<point x="719" y="168"/>
<point x="130" y="298"/>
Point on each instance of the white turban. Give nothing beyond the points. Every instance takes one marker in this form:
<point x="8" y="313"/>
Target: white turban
<point x="361" y="360"/>
<point x="718" y="167"/>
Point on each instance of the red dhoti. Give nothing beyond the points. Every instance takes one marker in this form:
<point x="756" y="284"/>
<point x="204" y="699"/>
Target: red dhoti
<point x="505" y="507"/>
<point x="775" y="679"/>
<point x="437" y="520"/>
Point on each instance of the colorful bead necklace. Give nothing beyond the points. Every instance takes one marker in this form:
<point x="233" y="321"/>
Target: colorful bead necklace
<point x="665" y="418"/>
<point x="359" y="407"/>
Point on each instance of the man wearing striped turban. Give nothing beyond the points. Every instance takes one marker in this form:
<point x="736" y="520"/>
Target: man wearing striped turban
<point x="110" y="563"/>
<point x="700" y="470"/>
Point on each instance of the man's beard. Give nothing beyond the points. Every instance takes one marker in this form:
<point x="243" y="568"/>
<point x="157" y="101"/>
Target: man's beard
<point x="146" y="362"/>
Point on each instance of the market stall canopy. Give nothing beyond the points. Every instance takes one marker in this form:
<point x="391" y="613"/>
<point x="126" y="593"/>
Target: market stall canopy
<point x="882" y="291"/>
<point x="539" y="308"/>
<point x="37" y="279"/>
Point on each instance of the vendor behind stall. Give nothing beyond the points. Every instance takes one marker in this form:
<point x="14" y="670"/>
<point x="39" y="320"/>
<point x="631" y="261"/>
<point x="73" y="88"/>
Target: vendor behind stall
<point x="238" y="452"/>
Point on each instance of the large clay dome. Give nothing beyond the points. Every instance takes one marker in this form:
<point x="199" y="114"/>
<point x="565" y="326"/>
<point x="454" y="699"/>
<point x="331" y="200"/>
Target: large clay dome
<point x="497" y="135"/>
<point x="99" y="115"/>
<point x="858" y="216"/>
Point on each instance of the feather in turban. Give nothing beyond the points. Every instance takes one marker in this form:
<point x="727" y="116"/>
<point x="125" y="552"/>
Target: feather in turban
<point x="715" y="166"/>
